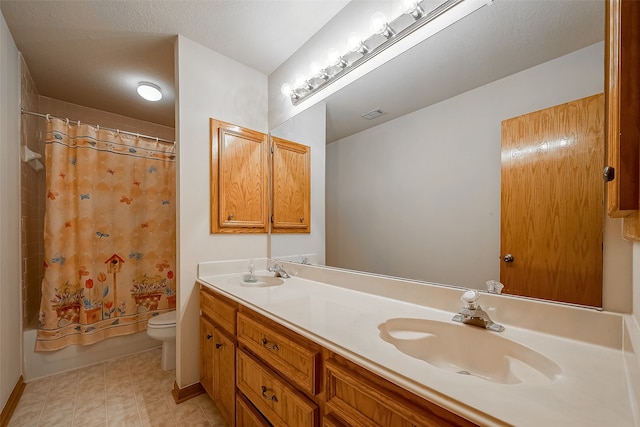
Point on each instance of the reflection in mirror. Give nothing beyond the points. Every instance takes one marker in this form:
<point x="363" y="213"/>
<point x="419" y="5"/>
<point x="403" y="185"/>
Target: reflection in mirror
<point x="416" y="193"/>
<point x="307" y="128"/>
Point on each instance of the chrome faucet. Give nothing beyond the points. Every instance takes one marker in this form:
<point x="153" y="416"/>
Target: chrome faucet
<point x="473" y="314"/>
<point x="279" y="271"/>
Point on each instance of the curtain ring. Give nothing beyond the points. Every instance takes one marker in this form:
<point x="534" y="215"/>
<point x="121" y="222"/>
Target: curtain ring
<point x="67" y="121"/>
<point x="78" y="123"/>
<point x="48" y="116"/>
<point x="157" y="139"/>
<point x="97" y="127"/>
<point x="117" y="131"/>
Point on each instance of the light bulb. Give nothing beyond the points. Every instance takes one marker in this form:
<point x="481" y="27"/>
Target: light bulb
<point x="315" y="68"/>
<point x="301" y="83"/>
<point x="380" y="25"/>
<point x="409" y="5"/>
<point x="378" y="22"/>
<point x="298" y="82"/>
<point x="412" y="8"/>
<point x="286" y="89"/>
<point x="356" y="45"/>
<point x="354" y="41"/>
<point x="334" y="58"/>
<point x="317" y="71"/>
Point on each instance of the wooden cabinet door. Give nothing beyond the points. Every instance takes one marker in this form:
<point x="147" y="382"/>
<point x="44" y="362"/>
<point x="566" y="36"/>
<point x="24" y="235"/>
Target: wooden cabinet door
<point x="239" y="177"/>
<point x="218" y="367"/>
<point x="291" y="183"/>
<point x="622" y="92"/>
<point x="224" y="381"/>
<point x="206" y="355"/>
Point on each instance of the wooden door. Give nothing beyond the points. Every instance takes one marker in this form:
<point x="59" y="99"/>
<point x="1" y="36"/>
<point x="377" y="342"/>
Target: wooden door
<point x="291" y="166"/>
<point x="239" y="177"/>
<point x="552" y="202"/>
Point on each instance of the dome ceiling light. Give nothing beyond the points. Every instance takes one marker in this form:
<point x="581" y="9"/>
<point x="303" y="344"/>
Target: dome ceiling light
<point x="149" y="91"/>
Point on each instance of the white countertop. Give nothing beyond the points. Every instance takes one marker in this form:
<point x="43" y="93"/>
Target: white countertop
<point x="592" y="389"/>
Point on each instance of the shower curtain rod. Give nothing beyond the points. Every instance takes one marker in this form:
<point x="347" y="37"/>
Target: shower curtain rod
<point x="48" y="116"/>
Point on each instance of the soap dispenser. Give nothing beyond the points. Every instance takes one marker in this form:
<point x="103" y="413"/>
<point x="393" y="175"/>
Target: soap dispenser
<point x="251" y="278"/>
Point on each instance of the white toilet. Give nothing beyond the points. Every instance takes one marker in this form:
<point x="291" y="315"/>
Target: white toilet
<point x="163" y="328"/>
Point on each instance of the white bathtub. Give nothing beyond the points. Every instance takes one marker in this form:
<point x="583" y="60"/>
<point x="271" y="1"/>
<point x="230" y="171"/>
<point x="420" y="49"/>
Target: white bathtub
<point x="41" y="364"/>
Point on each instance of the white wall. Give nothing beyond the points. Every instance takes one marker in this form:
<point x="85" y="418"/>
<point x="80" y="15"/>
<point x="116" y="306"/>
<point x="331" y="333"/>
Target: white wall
<point x="308" y="128"/>
<point x="10" y="303"/>
<point x="419" y="196"/>
<point x="208" y="85"/>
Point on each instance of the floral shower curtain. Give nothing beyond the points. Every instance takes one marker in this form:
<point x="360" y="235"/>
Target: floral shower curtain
<point x="110" y="234"/>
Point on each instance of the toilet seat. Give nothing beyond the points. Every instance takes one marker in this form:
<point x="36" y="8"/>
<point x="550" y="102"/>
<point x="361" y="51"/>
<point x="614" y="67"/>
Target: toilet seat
<point x="165" y="320"/>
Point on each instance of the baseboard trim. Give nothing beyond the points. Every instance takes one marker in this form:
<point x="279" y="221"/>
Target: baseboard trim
<point x="182" y="394"/>
<point x="12" y="402"/>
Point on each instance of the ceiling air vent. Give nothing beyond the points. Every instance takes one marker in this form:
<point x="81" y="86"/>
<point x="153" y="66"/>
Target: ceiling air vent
<point x="373" y="114"/>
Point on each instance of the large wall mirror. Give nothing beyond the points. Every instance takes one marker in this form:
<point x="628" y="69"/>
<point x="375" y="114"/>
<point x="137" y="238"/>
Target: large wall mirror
<point x="416" y="192"/>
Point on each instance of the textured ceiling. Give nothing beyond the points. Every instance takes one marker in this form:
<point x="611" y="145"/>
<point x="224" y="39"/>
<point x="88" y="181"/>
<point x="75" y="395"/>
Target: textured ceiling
<point x="94" y="53"/>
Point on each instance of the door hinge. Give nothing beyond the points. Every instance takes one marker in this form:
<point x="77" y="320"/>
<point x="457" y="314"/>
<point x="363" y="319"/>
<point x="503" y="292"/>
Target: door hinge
<point x="272" y="219"/>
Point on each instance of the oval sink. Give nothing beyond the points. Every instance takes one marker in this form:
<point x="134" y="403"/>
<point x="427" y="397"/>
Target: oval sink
<point x="469" y="350"/>
<point x="260" y="281"/>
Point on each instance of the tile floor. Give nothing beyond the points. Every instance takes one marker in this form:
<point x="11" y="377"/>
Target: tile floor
<point x="130" y="391"/>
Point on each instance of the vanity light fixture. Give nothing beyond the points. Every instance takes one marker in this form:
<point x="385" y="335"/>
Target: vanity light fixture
<point x="149" y="91"/>
<point x="360" y="51"/>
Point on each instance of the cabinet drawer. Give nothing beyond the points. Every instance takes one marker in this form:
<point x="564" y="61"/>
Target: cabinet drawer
<point x="279" y="402"/>
<point x="363" y="399"/>
<point x="247" y="415"/>
<point x="294" y="357"/>
<point x="219" y="309"/>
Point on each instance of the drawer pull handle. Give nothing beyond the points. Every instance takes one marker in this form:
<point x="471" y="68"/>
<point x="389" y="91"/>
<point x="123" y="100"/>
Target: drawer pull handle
<point x="218" y="345"/>
<point x="267" y="396"/>
<point x="209" y="336"/>
<point x="266" y="345"/>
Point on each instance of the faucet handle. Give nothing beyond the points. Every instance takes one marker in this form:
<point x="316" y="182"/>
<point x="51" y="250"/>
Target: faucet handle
<point x="470" y="299"/>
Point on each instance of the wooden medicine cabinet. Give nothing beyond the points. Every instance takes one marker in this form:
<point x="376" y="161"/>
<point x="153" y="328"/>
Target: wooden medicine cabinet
<point x="240" y="177"/>
<point x="239" y="189"/>
<point x="622" y="112"/>
<point x="291" y="187"/>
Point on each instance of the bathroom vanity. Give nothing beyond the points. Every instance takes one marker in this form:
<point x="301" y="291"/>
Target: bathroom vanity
<point x="330" y="347"/>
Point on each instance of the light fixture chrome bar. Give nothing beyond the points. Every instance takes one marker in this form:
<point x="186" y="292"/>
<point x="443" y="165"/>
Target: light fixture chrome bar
<point x="298" y="95"/>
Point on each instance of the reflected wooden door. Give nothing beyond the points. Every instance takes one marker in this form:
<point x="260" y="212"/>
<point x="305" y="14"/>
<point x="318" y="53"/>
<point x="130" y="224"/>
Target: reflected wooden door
<point x="552" y="197"/>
